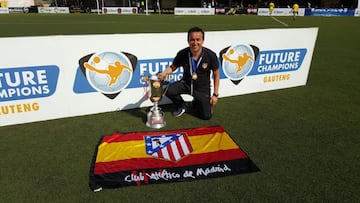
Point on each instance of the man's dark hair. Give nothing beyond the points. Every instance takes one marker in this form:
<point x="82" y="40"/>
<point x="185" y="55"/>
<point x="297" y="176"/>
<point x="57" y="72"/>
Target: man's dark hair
<point x="196" y="29"/>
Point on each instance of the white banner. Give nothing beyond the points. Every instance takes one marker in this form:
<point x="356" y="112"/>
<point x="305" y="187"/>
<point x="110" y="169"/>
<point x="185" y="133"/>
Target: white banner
<point x="119" y="10"/>
<point x="64" y="76"/>
<point x="4" y="10"/>
<point x="194" y="11"/>
<point x="53" y="10"/>
<point x="279" y="12"/>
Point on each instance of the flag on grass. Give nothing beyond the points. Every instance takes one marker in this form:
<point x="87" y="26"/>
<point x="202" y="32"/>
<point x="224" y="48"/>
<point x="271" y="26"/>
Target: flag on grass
<point x="138" y="158"/>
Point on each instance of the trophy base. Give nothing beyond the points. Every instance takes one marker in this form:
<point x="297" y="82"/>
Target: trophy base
<point x="156" y="126"/>
<point x="155" y="118"/>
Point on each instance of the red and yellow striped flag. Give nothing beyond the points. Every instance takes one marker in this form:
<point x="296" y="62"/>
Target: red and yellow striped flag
<point x="125" y="159"/>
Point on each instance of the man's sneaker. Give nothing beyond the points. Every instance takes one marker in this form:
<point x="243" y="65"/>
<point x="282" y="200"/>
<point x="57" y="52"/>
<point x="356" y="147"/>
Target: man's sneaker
<point x="179" y="112"/>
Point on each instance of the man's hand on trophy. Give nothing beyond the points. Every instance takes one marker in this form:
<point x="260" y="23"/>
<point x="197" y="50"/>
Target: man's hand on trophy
<point x="161" y="76"/>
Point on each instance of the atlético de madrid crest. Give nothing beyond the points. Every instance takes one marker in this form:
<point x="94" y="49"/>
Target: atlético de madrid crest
<point x="171" y="147"/>
<point x="204" y="65"/>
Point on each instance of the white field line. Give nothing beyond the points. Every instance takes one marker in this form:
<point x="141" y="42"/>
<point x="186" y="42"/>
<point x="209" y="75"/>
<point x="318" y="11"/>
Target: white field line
<point x="279" y="21"/>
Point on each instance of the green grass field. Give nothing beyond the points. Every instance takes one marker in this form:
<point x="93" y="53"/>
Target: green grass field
<point x="305" y="140"/>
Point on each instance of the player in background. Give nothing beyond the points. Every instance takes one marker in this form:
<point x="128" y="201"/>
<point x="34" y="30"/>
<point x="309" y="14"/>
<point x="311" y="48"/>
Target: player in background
<point x="295" y="10"/>
<point x="271" y="7"/>
<point x="4" y="3"/>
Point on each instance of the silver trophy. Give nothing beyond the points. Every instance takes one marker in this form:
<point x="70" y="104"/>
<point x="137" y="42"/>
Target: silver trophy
<point x="155" y="117"/>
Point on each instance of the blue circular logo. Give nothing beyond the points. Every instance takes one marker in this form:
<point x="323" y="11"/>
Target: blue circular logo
<point x="109" y="72"/>
<point x="238" y="61"/>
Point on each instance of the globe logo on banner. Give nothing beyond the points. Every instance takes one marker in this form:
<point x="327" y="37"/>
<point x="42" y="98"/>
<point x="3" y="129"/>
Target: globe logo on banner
<point x="108" y="72"/>
<point x="171" y="147"/>
<point x="237" y="61"/>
